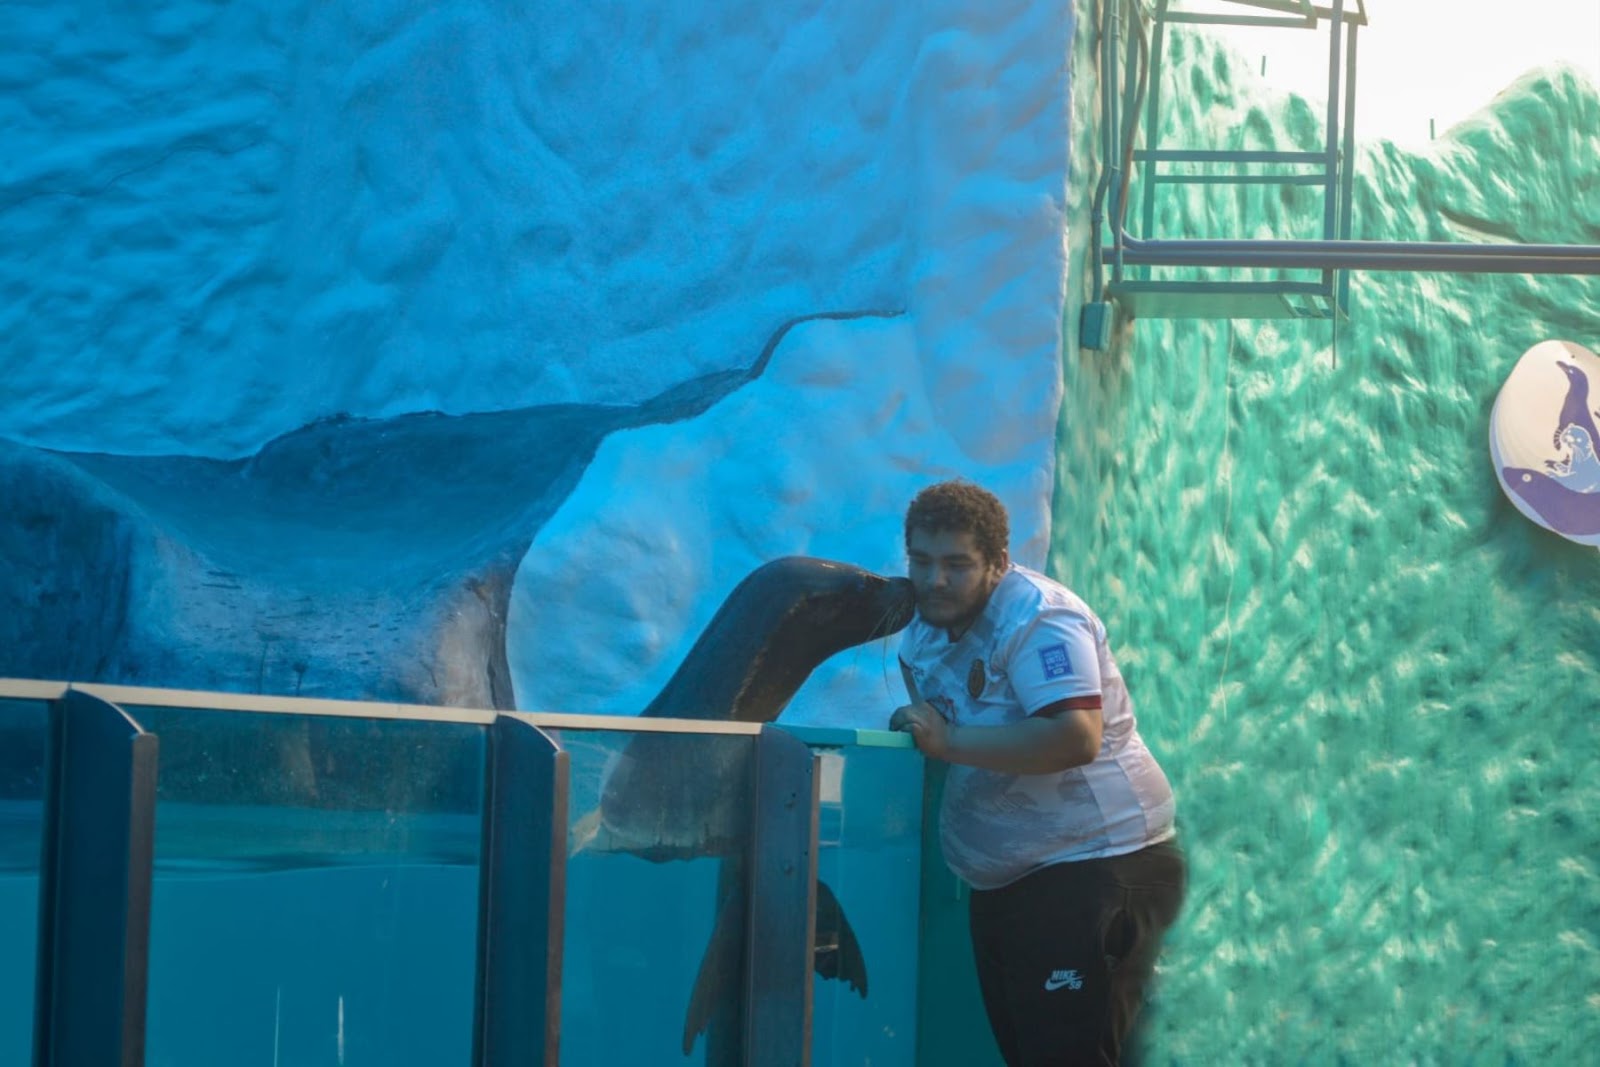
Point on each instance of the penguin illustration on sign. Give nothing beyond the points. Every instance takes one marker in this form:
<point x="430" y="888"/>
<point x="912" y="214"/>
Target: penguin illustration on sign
<point x="1543" y="439"/>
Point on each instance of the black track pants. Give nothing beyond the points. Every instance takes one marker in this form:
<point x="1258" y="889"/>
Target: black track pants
<point x="1064" y="954"/>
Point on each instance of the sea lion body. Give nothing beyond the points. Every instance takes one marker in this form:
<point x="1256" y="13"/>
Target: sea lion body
<point x="673" y="797"/>
<point x="777" y="626"/>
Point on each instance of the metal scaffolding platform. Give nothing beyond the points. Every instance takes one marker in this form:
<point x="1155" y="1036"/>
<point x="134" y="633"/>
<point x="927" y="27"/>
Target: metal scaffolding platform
<point x="1303" y="275"/>
<point x="1142" y="289"/>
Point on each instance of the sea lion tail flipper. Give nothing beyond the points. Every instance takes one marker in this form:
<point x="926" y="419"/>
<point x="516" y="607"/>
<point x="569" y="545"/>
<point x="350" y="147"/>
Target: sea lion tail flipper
<point x="719" y="974"/>
<point x="837" y="953"/>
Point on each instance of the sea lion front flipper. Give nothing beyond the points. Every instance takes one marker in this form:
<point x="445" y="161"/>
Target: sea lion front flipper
<point x="836" y="952"/>
<point x="720" y="968"/>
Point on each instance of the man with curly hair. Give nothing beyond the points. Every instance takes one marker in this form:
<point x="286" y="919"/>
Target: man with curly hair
<point x="1054" y="811"/>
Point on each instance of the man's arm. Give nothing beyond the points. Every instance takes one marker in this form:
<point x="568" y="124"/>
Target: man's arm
<point x="1055" y="738"/>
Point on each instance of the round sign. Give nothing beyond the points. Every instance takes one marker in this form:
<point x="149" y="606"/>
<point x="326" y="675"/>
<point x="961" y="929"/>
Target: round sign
<point x="1542" y="436"/>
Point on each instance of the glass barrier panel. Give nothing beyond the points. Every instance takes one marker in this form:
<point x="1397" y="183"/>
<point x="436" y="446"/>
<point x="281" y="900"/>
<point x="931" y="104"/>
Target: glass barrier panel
<point x="316" y="888"/>
<point x="869" y="861"/>
<point x="660" y="826"/>
<point x="24" y="726"/>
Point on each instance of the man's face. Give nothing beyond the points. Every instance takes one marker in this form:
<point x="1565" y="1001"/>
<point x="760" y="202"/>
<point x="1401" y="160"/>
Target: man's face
<point x="950" y="577"/>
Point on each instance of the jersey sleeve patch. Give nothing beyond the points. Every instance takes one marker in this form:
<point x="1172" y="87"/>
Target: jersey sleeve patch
<point x="1056" y="662"/>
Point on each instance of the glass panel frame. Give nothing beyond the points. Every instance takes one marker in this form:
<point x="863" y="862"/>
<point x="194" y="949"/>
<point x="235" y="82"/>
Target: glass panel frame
<point x="94" y="885"/>
<point x="24" y="729"/>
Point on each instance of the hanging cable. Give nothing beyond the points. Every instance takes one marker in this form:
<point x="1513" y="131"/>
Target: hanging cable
<point x="1097" y="205"/>
<point x="1137" y="87"/>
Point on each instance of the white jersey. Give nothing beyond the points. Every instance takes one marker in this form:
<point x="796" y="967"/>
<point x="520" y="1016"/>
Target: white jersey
<point x="1035" y="643"/>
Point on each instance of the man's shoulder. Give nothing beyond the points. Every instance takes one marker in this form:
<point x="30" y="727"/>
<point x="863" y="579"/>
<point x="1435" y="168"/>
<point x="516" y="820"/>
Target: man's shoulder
<point x="1025" y="593"/>
<point x="1037" y="606"/>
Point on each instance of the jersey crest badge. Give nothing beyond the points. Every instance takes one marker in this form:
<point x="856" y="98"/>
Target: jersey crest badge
<point x="975" y="679"/>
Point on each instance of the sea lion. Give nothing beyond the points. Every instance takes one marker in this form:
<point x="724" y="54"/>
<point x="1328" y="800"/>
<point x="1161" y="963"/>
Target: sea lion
<point x="772" y="631"/>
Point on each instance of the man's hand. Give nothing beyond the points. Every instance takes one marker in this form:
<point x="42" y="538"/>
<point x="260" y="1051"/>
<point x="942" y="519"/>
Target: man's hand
<point x="1059" y="736"/>
<point x="927" y="727"/>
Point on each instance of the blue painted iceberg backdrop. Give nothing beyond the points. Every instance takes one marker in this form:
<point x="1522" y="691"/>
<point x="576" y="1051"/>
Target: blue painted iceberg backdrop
<point x="317" y="315"/>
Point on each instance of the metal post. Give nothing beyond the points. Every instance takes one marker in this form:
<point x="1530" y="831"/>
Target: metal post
<point x="781" y="918"/>
<point x="1347" y="189"/>
<point x="521" y="898"/>
<point x="1330" y="217"/>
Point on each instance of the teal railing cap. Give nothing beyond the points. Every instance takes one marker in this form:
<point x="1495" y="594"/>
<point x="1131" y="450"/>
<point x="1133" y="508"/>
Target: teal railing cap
<point x="841" y="736"/>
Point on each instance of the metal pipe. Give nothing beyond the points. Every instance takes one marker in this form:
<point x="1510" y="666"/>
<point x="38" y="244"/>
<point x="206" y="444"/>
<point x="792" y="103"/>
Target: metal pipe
<point x="1367" y="255"/>
<point x="1137" y="63"/>
<point x="1239" y="179"/>
<point x="1191" y="155"/>
<point x="1096" y="208"/>
<point x="1366" y="247"/>
<point x="1301" y="8"/>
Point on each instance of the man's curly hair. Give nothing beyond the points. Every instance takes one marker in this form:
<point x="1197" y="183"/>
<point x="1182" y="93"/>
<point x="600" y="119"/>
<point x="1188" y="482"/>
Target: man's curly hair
<point x="963" y="507"/>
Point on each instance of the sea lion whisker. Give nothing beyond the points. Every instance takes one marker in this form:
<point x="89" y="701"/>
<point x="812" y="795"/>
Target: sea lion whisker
<point x="883" y="668"/>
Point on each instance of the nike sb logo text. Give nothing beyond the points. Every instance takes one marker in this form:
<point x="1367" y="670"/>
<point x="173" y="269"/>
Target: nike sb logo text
<point x="1063" y="980"/>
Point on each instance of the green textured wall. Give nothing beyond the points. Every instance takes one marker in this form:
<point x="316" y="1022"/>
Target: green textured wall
<point x="1375" y="685"/>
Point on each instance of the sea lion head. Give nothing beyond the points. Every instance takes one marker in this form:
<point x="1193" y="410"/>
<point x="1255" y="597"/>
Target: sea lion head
<point x="840" y="605"/>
